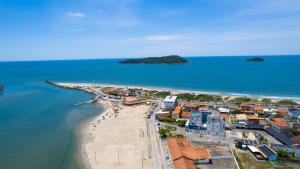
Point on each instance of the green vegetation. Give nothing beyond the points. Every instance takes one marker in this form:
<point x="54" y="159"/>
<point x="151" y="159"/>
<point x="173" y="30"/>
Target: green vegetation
<point x="171" y="59"/>
<point x="240" y="100"/>
<point x="180" y="123"/>
<point x="186" y="96"/>
<point x="247" y="161"/>
<point x="266" y="101"/>
<point x="278" y="115"/>
<point x="164" y="132"/>
<point x="236" y="111"/>
<point x="255" y="59"/>
<point x="287" y="102"/>
<point x="162" y="94"/>
<point x="199" y="97"/>
<point x="262" y="139"/>
<point x="206" y="97"/>
<point x="286" y="154"/>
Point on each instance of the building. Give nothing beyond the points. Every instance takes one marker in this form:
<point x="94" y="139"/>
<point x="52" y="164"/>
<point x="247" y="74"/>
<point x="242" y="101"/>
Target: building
<point x="176" y="112"/>
<point x="246" y="108"/>
<point x="215" y="126"/>
<point x="256" y="152"/>
<point x="280" y="123"/>
<point x="241" y="119"/>
<point x="195" y="121"/>
<point x="283" y="111"/>
<point x="204" y="122"/>
<point x="170" y="102"/>
<point x="268" y="153"/>
<point x="162" y="114"/>
<point x="184" y="156"/>
<point x="273" y="131"/>
<point x="294" y="113"/>
<point x="224" y="110"/>
<point x="185" y="115"/>
<point x="252" y="119"/>
<point x="258" y="109"/>
<point x="195" y="106"/>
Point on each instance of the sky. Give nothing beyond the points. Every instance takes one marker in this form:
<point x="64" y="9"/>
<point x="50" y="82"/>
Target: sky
<point x="89" y="29"/>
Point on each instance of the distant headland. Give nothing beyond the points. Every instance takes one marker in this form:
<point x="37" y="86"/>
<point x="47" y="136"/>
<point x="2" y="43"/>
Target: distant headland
<point x="171" y="59"/>
<point x="255" y="59"/>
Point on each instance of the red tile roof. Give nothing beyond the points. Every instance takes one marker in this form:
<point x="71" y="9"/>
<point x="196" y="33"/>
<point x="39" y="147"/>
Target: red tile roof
<point x="258" y="108"/>
<point x="185" y="114"/>
<point x="280" y="122"/>
<point x="183" y="153"/>
<point x="252" y="117"/>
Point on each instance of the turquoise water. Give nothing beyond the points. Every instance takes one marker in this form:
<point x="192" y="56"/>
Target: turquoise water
<point x="38" y="121"/>
<point x="38" y="126"/>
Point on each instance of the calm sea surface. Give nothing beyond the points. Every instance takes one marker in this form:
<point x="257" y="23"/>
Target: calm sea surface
<point x="38" y="121"/>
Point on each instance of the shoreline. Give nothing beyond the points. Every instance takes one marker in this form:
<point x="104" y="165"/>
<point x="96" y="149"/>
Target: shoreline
<point x="98" y="139"/>
<point x="176" y="91"/>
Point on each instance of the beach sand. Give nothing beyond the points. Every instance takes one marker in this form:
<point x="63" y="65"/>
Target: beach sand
<point x="118" y="142"/>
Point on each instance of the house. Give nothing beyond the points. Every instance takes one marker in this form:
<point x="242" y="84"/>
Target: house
<point x="252" y="119"/>
<point x="246" y="108"/>
<point x="223" y="110"/>
<point x="283" y="111"/>
<point x="268" y="153"/>
<point x="176" y="112"/>
<point x="258" y="109"/>
<point x="184" y="156"/>
<point x="185" y="114"/>
<point x="195" y="106"/>
<point x="241" y="119"/>
<point x="280" y="123"/>
<point x="226" y="120"/>
<point x="170" y="102"/>
<point x="162" y="114"/>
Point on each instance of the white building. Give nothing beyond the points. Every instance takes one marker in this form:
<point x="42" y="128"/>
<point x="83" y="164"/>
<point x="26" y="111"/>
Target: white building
<point x="170" y="102"/>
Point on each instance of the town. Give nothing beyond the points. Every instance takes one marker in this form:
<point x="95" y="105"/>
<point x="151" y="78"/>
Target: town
<point x="192" y="130"/>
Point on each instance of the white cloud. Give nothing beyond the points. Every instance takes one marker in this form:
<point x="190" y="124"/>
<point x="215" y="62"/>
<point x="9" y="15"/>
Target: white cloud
<point x="75" y="14"/>
<point x="163" y="37"/>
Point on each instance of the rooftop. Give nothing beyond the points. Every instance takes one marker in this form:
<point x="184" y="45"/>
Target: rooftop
<point x="170" y="99"/>
<point x="241" y="117"/>
<point x="280" y="122"/>
<point x="183" y="153"/>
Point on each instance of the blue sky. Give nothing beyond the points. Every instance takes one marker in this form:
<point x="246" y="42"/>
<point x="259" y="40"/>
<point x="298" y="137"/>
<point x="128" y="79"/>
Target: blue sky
<point x="82" y="29"/>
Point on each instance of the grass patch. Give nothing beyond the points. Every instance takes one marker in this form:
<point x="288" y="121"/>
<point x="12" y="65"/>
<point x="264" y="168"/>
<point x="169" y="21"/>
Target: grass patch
<point x="246" y="161"/>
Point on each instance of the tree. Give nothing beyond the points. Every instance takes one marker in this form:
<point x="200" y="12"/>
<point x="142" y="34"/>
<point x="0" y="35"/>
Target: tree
<point x="163" y="132"/>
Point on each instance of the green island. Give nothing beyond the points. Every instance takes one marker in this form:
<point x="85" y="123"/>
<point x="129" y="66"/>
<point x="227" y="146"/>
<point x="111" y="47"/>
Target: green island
<point x="171" y="59"/>
<point x="255" y="59"/>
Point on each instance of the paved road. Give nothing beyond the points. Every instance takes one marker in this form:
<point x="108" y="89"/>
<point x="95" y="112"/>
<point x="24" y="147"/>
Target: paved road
<point x="154" y="144"/>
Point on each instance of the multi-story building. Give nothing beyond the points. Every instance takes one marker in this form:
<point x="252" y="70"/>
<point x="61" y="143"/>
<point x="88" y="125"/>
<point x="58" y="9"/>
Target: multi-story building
<point x="170" y="102"/>
<point x="206" y="122"/>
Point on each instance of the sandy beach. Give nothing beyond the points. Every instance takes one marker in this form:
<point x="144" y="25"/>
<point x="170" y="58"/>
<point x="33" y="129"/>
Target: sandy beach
<point x="117" y="140"/>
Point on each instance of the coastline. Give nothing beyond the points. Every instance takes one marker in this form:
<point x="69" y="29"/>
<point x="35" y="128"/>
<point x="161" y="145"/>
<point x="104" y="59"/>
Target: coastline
<point x="176" y="91"/>
<point x="101" y="137"/>
<point x="120" y="147"/>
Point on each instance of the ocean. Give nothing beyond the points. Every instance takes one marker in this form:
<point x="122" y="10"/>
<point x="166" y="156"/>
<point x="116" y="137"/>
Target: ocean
<point x="39" y="122"/>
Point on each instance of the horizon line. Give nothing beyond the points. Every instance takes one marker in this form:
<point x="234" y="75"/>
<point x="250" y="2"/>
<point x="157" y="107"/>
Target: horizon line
<point x="131" y="57"/>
